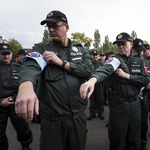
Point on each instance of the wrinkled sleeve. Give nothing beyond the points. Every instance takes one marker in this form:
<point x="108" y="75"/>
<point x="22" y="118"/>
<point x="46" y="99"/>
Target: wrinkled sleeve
<point x="103" y="72"/>
<point x="106" y="70"/>
<point x="83" y="69"/>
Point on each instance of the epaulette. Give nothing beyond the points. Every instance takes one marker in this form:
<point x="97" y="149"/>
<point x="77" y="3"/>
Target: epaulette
<point x="78" y="45"/>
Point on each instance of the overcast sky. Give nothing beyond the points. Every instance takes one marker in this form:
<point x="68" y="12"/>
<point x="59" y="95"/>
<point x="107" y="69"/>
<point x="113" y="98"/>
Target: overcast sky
<point x="20" y="19"/>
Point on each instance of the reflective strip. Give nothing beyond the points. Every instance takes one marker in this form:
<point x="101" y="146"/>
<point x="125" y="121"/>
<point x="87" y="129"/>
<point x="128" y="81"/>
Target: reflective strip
<point x="76" y="58"/>
<point x="114" y="62"/>
<point x="40" y="60"/>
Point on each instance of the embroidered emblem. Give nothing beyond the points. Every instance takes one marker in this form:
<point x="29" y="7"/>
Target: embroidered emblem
<point x="50" y="14"/>
<point x="140" y="43"/>
<point x="5" y="46"/>
<point x="120" y="36"/>
<point x="74" y="49"/>
<point x="33" y="54"/>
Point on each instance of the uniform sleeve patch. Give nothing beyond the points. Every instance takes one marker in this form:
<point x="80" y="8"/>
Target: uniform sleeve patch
<point x="33" y="54"/>
<point x="145" y="69"/>
<point x="109" y="60"/>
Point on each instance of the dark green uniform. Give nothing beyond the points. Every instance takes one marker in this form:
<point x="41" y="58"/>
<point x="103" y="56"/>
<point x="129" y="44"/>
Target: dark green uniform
<point x="125" y="114"/>
<point x="9" y="87"/>
<point x="145" y="111"/>
<point x="97" y="97"/>
<point x="62" y="110"/>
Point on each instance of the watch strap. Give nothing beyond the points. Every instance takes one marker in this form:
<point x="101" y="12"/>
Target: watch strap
<point x="64" y="63"/>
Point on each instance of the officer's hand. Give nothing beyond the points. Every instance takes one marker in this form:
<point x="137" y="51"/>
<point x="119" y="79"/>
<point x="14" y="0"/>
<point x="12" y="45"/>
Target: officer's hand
<point x="26" y="102"/>
<point x="87" y="87"/>
<point x="51" y="57"/>
<point x="140" y="94"/>
<point x="120" y="73"/>
<point x="6" y="103"/>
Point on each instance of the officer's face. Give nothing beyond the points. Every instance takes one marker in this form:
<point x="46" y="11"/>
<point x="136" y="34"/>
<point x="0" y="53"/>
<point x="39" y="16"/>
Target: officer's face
<point x="124" y="48"/>
<point x="5" y="57"/>
<point x="95" y="58"/>
<point x="58" y="31"/>
<point x="146" y="53"/>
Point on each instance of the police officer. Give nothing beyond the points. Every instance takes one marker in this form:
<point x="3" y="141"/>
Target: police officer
<point x="21" y="54"/>
<point x="145" y="102"/>
<point x="97" y="98"/>
<point x="127" y="76"/>
<point x="61" y="68"/>
<point x="8" y="91"/>
<point x="109" y="54"/>
<point x="102" y="56"/>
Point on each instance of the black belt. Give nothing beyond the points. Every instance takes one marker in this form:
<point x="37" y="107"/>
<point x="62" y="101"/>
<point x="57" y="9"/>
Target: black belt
<point x="130" y="99"/>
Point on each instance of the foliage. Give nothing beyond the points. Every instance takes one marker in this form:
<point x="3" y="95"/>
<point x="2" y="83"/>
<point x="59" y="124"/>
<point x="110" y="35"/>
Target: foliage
<point x="108" y="46"/>
<point x="15" y="45"/>
<point x="145" y="42"/>
<point x="2" y="40"/>
<point x="133" y="35"/>
<point x="97" y="40"/>
<point x="80" y="38"/>
<point x="46" y="36"/>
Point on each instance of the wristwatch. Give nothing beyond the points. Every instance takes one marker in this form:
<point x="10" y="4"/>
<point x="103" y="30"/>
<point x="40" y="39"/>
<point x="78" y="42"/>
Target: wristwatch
<point x="64" y="63"/>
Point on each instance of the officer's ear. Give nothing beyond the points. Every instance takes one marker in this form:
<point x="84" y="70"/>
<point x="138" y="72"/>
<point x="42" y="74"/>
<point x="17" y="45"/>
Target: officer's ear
<point x="67" y="27"/>
<point x="131" y="43"/>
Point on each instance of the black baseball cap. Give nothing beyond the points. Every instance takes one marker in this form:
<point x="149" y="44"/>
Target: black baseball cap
<point x="102" y="54"/>
<point x="5" y="48"/>
<point x="22" y="51"/>
<point x="138" y="45"/>
<point x="55" y="16"/>
<point x="123" y="37"/>
<point x="95" y="52"/>
<point x="146" y="46"/>
<point x="109" y="53"/>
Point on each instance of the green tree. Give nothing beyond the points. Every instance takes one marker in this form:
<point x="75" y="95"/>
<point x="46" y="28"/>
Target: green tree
<point x="133" y="35"/>
<point x="2" y="40"/>
<point x="80" y="38"/>
<point x="97" y="40"/>
<point x="46" y="36"/>
<point x="15" y="45"/>
<point x="106" y="45"/>
<point x="145" y="42"/>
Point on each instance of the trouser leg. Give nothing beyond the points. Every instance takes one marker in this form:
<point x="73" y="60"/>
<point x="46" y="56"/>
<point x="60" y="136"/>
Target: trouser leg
<point x="144" y="122"/>
<point x="3" y="125"/>
<point x="63" y="135"/>
<point x="99" y="96"/>
<point x="93" y="105"/>
<point x="24" y="134"/>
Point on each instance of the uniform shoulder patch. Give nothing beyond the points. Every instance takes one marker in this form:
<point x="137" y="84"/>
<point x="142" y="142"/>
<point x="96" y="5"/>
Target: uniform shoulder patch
<point x="33" y="54"/>
<point x="109" y="60"/>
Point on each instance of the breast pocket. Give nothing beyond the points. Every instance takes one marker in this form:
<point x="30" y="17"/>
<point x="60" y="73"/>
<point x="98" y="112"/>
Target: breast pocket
<point x="53" y="73"/>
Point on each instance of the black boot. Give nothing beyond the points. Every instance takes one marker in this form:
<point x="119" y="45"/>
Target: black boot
<point x="91" y="116"/>
<point x="101" y="116"/>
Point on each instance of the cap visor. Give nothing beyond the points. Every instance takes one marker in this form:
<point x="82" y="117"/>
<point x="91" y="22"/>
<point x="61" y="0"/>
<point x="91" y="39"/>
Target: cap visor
<point x="119" y="41"/>
<point x="49" y="20"/>
<point x="139" y="49"/>
<point x="3" y="51"/>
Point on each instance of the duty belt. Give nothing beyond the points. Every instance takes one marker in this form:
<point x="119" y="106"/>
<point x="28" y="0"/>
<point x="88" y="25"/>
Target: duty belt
<point x="130" y="99"/>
